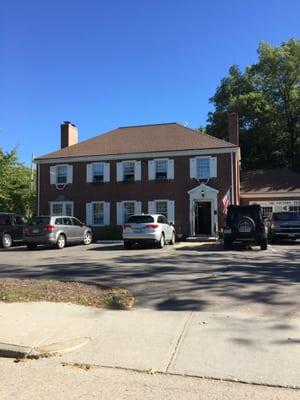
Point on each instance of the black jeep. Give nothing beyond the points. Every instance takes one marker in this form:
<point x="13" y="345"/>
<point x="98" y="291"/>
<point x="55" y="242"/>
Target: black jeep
<point x="245" y="224"/>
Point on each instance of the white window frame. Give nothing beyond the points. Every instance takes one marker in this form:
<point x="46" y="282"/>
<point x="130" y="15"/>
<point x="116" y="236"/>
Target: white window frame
<point x="103" y="212"/>
<point x="137" y="165"/>
<point x="123" y="209"/>
<point x="64" y="204"/>
<point x="53" y="174"/>
<point x="120" y="209"/>
<point x="152" y="208"/>
<point x="198" y="160"/>
<point x="90" y="172"/>
<point x="155" y="168"/>
<point x="152" y="169"/>
<point x="93" y="172"/>
<point x="212" y="167"/>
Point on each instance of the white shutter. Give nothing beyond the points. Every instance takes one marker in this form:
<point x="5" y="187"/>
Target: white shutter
<point x="171" y="211"/>
<point x="89" y="173"/>
<point x="137" y="171"/>
<point x="119" y="213"/>
<point x="213" y="167"/>
<point x="106" y="172"/>
<point x="170" y="169"/>
<point x="193" y="169"/>
<point x="106" y="217"/>
<point x="138" y="207"/>
<point x="119" y="172"/>
<point x="53" y="175"/>
<point x="151" y="207"/>
<point x="89" y="214"/>
<point x="151" y="170"/>
<point x="70" y="174"/>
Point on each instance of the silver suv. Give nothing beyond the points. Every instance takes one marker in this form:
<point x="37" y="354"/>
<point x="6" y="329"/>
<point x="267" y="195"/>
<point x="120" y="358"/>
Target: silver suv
<point x="148" y="228"/>
<point x="58" y="231"/>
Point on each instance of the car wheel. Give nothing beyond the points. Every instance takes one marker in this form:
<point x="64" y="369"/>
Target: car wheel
<point x="264" y="245"/>
<point x="127" y="245"/>
<point x="172" y="241"/>
<point x="6" y="240"/>
<point x="227" y="244"/>
<point x="87" y="238"/>
<point x="31" y="246"/>
<point x="61" y="242"/>
<point x="161" y="242"/>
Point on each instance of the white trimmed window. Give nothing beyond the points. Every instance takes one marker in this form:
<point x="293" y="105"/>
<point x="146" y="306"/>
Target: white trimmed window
<point x="127" y="208"/>
<point x="203" y="167"/>
<point x="98" y="172"/>
<point x="61" y="208"/>
<point x="61" y="174"/>
<point x="98" y="213"/>
<point x="160" y="169"/>
<point x="128" y="171"/>
<point x="163" y="207"/>
<point x="267" y="211"/>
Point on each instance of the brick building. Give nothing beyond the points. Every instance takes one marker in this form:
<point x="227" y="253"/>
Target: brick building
<point x="274" y="189"/>
<point x="163" y="168"/>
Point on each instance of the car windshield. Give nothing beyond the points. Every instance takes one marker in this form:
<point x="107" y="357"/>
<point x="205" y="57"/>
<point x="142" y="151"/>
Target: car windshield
<point x="238" y="212"/>
<point x="286" y="216"/>
<point x="38" y="221"/>
<point x="140" y="219"/>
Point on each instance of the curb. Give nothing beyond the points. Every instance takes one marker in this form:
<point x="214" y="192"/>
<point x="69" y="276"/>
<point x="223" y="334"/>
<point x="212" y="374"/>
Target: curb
<point x="9" y="350"/>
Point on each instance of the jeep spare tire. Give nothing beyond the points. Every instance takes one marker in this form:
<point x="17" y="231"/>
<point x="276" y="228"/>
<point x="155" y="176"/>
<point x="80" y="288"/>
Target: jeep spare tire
<point x="246" y="225"/>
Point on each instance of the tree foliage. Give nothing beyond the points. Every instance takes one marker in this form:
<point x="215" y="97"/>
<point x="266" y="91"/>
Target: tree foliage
<point x="267" y="98"/>
<point x="17" y="189"/>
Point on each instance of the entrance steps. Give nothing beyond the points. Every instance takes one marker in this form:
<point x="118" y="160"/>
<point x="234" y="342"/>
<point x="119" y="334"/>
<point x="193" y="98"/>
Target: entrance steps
<point x="202" y="238"/>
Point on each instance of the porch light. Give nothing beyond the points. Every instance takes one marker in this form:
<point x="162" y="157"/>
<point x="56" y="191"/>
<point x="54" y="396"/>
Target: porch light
<point x="202" y="193"/>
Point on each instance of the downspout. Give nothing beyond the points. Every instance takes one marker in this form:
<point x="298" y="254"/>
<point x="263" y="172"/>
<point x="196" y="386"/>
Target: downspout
<point x="38" y="189"/>
<point x="232" y="188"/>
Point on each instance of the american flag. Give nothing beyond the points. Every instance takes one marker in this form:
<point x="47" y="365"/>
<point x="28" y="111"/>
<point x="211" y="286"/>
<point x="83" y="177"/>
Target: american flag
<point x="225" y="202"/>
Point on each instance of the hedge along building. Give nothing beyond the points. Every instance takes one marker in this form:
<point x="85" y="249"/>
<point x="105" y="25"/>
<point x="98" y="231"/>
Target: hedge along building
<point x="164" y="168"/>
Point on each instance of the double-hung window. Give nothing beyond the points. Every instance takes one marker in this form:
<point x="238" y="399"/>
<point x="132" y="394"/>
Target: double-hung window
<point x="161" y="207"/>
<point x="61" y="208"/>
<point x="98" y="213"/>
<point x="61" y="174"/>
<point x="128" y="209"/>
<point x="128" y="170"/>
<point x="203" y="168"/>
<point x="98" y="172"/>
<point x="161" y="169"/>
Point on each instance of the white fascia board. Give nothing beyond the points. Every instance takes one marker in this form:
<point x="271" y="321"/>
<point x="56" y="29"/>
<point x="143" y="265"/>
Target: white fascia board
<point x="267" y="195"/>
<point x="132" y="156"/>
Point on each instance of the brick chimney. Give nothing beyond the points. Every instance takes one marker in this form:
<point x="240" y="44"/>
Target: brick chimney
<point x="68" y="134"/>
<point x="233" y="128"/>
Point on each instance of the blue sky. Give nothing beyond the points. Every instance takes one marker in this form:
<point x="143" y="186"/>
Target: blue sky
<point x="109" y="63"/>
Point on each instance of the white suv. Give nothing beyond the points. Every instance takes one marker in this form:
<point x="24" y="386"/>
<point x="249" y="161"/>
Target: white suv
<point x="148" y="228"/>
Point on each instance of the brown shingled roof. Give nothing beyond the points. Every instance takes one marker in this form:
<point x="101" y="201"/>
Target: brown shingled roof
<point x="280" y="180"/>
<point x="141" y="139"/>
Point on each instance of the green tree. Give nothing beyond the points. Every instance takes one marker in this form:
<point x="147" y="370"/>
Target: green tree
<point x="17" y="187"/>
<point x="267" y="98"/>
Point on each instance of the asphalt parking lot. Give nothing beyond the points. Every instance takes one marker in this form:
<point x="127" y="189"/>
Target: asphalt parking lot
<point x="187" y="276"/>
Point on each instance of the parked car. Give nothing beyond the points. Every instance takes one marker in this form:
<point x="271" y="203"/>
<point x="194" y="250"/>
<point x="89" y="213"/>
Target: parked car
<point x="245" y="224"/>
<point x="11" y="229"/>
<point x="148" y="228"/>
<point x="284" y="225"/>
<point x="57" y="231"/>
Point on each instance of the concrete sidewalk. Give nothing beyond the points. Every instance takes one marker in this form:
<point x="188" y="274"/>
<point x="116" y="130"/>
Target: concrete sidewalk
<point x="223" y="346"/>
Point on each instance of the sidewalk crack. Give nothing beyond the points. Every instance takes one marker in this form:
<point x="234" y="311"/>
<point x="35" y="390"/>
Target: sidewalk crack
<point x="179" y="341"/>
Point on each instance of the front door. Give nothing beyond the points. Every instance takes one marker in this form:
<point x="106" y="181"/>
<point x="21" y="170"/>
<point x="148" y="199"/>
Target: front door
<point x="202" y="214"/>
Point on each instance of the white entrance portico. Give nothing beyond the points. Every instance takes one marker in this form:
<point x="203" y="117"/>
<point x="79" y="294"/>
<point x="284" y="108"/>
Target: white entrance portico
<point x="203" y="211"/>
